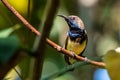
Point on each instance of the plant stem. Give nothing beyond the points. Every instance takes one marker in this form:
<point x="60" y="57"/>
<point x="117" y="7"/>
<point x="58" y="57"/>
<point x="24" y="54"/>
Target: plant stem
<point x="52" y="9"/>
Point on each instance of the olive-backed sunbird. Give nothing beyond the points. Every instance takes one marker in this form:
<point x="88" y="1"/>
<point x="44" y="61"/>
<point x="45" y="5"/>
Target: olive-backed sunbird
<point x="76" y="40"/>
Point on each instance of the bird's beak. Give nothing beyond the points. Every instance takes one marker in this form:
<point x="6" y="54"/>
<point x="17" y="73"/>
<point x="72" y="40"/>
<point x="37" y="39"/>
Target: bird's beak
<point x="63" y="16"/>
<point x="67" y="20"/>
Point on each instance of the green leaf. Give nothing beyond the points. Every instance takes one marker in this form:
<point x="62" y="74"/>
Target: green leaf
<point x="8" y="46"/>
<point x="6" y="32"/>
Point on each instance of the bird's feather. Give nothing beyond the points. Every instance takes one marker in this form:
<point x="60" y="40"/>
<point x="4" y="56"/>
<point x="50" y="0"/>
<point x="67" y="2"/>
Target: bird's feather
<point x="75" y="47"/>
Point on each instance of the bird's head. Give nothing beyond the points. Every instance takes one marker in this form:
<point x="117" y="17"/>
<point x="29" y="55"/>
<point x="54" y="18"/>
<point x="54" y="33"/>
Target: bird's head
<point x="75" y="24"/>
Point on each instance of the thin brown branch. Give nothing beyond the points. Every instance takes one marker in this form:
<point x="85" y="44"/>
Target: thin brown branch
<point x="71" y="54"/>
<point x="48" y="41"/>
<point x="52" y="6"/>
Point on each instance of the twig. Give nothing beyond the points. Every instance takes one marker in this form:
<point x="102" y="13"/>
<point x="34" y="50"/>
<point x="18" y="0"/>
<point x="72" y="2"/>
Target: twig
<point x="52" y="6"/>
<point x="69" y="53"/>
<point x="51" y="43"/>
<point x="28" y="10"/>
<point x="18" y="73"/>
<point x="64" y="70"/>
<point x="67" y="69"/>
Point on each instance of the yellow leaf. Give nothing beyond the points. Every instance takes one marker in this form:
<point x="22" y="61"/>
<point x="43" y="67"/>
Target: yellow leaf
<point x="12" y="74"/>
<point x="20" y="5"/>
<point x="112" y="60"/>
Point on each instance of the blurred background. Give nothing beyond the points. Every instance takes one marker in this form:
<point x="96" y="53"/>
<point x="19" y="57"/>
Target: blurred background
<point x="102" y="22"/>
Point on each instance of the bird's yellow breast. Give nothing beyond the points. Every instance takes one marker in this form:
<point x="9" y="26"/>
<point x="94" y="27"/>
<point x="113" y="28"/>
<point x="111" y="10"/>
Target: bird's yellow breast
<point x="76" y="47"/>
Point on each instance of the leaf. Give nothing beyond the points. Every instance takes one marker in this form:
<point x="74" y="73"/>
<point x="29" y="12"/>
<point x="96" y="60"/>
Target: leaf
<point x="21" y="5"/>
<point x="6" y="32"/>
<point x="112" y="60"/>
<point x="8" y="46"/>
<point x="12" y="74"/>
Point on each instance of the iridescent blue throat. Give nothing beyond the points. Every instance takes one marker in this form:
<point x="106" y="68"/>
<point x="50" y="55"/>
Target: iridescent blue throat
<point x="75" y="33"/>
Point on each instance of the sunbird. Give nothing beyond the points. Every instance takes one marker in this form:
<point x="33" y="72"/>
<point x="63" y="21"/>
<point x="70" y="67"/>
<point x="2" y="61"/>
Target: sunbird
<point x="76" y="40"/>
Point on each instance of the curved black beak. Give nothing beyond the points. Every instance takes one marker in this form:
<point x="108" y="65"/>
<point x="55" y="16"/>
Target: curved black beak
<point x="63" y="16"/>
<point x="66" y="19"/>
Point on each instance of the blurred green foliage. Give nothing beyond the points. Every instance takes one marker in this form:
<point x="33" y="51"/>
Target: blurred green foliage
<point x="8" y="47"/>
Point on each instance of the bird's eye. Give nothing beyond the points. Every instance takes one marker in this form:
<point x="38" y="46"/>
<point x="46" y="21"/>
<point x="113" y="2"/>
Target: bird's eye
<point x="73" y="18"/>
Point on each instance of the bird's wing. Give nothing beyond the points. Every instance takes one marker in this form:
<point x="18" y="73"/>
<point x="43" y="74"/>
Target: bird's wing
<point x="65" y="56"/>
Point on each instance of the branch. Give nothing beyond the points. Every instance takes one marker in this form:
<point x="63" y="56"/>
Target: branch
<point x="52" y="6"/>
<point x="23" y="20"/>
<point x="71" y="54"/>
<point x="64" y="70"/>
<point x="48" y="41"/>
